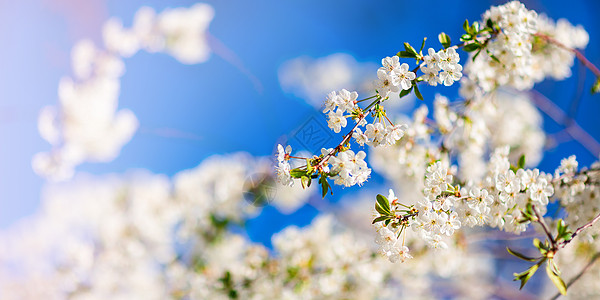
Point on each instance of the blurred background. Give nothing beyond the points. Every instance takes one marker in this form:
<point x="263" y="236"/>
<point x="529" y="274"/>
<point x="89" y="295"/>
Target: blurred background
<point x="268" y="72"/>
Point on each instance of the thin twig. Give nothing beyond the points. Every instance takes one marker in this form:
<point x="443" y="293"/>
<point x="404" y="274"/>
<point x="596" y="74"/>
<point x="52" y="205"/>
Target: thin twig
<point x="577" y="53"/>
<point x="571" y="127"/>
<point x="579" y="230"/>
<point x="574" y="279"/>
<point x="575" y="103"/>
<point x="544" y="226"/>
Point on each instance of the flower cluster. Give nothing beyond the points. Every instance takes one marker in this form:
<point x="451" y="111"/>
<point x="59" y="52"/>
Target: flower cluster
<point x="283" y="167"/>
<point x="574" y="37"/>
<point x="128" y="236"/>
<point x="518" y="56"/>
<point x="446" y="61"/>
<point x="344" y="167"/>
<point x="497" y="201"/>
<point x="87" y="126"/>
<point x="342" y="102"/>
<point x="390" y="247"/>
<point x="180" y="32"/>
<point x="379" y="134"/>
<point x="393" y="77"/>
<point x="579" y="193"/>
<point x="508" y="60"/>
<point x="350" y="168"/>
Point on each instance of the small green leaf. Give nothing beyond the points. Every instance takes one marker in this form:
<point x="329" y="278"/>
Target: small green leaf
<point x="305" y="181"/>
<point x="526" y="275"/>
<point x="543" y="247"/>
<point x="553" y="266"/>
<point x="489" y="23"/>
<point x="380" y="210"/>
<point x="529" y="210"/>
<point x="410" y="49"/>
<point x="521" y="163"/>
<point x="493" y="57"/>
<point x="558" y="282"/>
<point x="422" y="45"/>
<point x="444" y="39"/>
<point x="381" y="218"/>
<point x="472" y="47"/>
<point x="297" y="173"/>
<point x="324" y="185"/>
<point x="596" y="86"/>
<point x="406" y="54"/>
<point x="563" y="231"/>
<point x="537" y="243"/>
<point x="309" y="167"/>
<point x="466" y="37"/>
<point x="476" y="54"/>
<point x="405" y="92"/>
<point x="475" y="27"/>
<point x="417" y="92"/>
<point x="561" y="227"/>
<point x="466" y="26"/>
<point x="384" y="203"/>
<point x="519" y="255"/>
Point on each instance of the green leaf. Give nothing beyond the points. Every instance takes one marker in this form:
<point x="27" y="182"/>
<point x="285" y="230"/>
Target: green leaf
<point x="529" y="210"/>
<point x="472" y="47"/>
<point x="561" y="227"/>
<point x="466" y="26"/>
<point x="444" y="39"/>
<point x="476" y="54"/>
<point x="596" y="86"/>
<point x="406" y="54"/>
<point x="543" y="247"/>
<point x="324" y="185"/>
<point x="553" y="266"/>
<point x="309" y="167"/>
<point x="466" y="37"/>
<point x="493" y="57"/>
<point x="297" y="173"/>
<point x="305" y="181"/>
<point x="381" y="218"/>
<point x="489" y="23"/>
<point x="538" y="244"/>
<point x="383" y="202"/>
<point x="417" y="92"/>
<point x="521" y="163"/>
<point x="526" y="275"/>
<point x="475" y="27"/>
<point x="422" y="45"/>
<point x="558" y="282"/>
<point x="410" y="49"/>
<point x="405" y="92"/>
<point x="563" y="231"/>
<point x="521" y="256"/>
<point x="380" y="210"/>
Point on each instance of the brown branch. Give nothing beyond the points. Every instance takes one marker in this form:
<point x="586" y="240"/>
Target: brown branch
<point x="544" y="226"/>
<point x="571" y="126"/>
<point x="579" y="230"/>
<point x="577" y="53"/>
<point x="574" y="279"/>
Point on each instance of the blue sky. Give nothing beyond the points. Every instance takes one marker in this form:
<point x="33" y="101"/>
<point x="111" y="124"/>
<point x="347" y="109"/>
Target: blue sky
<point x="232" y="102"/>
